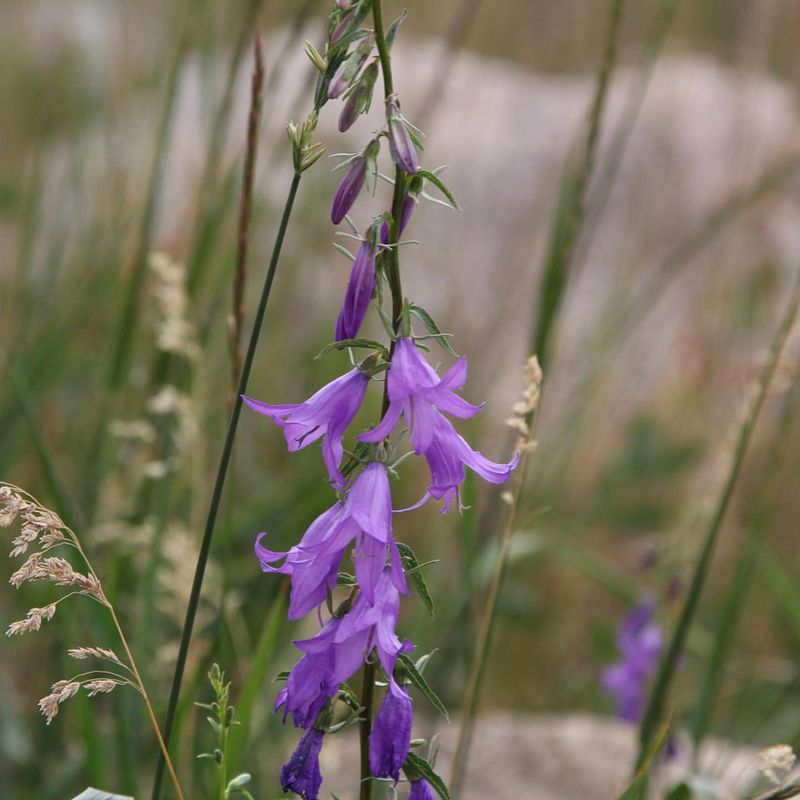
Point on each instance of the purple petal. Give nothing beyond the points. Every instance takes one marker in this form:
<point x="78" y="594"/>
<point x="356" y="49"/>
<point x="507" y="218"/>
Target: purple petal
<point x="360" y="288"/>
<point x="349" y="189"/>
<point x="301" y="773"/>
<point x="370" y="503"/>
<point x="390" y="739"/>
<point x="385" y="427"/>
<point x="420" y="790"/>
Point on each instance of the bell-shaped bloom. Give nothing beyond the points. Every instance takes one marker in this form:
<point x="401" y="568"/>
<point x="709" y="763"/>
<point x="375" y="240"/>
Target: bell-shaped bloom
<point x="416" y="391"/>
<point x="447" y="456"/>
<point x="364" y="517"/>
<point x="420" y="790"/>
<point x="301" y="773"/>
<point x="326" y="413"/>
<point x="404" y="154"/>
<point x="349" y="189"/>
<point x="639" y="641"/>
<point x="390" y="738"/>
<point x="339" y="649"/>
<point x="360" y="289"/>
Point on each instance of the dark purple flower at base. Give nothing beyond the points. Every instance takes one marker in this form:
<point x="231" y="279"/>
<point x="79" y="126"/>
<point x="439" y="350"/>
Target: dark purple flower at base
<point x="326" y="413"/>
<point x="359" y="292"/>
<point x="420" y="790"/>
<point x="301" y="773"/>
<point x="639" y="642"/>
<point x="390" y="739"/>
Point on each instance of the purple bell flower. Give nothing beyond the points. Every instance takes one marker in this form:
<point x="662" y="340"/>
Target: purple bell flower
<point x="301" y="773"/>
<point x="416" y="391"/>
<point x="326" y="413"/>
<point x="639" y="641"/>
<point x="447" y="456"/>
<point x="390" y="739"/>
<point x="404" y="154"/>
<point x="359" y="292"/>
<point x="366" y="517"/>
<point x="339" y="649"/>
<point x="420" y="790"/>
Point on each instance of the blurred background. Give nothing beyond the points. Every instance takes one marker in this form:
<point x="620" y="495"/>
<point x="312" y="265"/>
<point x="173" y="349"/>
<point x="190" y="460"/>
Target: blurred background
<point x="123" y="131"/>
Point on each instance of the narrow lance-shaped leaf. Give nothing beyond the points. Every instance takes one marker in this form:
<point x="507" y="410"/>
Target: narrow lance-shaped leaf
<point x="416" y="677"/>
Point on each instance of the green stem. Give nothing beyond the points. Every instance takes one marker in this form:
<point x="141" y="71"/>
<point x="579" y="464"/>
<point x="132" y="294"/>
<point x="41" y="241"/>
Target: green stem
<point x="654" y="714"/>
<point x="395" y="286"/>
<point x="222" y="471"/>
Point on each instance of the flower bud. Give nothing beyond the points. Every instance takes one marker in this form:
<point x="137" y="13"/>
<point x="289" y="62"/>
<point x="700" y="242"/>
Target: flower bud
<point x="404" y="154"/>
<point x="352" y="183"/>
<point x="360" y="288"/>
<point x="347" y="72"/>
<point x="360" y="97"/>
<point x="406" y="210"/>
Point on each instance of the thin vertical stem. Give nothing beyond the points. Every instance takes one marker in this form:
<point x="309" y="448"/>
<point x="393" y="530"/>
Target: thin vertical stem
<point x="654" y="713"/>
<point x="219" y="484"/>
<point x="395" y="286"/>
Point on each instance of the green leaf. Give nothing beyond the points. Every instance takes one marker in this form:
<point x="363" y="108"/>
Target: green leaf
<point x="368" y="343"/>
<point x="416" y="677"/>
<point x="439" y="184"/>
<point x="348" y="696"/>
<point x="679" y="792"/>
<point x="416" y="767"/>
<point x="96" y="794"/>
<point x="392" y="31"/>
<point x="428" y="321"/>
<point x="411" y="566"/>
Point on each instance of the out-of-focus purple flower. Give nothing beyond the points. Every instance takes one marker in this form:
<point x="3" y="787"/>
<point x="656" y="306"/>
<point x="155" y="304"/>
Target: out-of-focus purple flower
<point x="416" y="391"/>
<point x="338" y="651"/>
<point x="366" y="517"/>
<point x="420" y="790"/>
<point x="406" y="210"/>
<point x="301" y="773"/>
<point x="404" y="154"/>
<point x="639" y="641"/>
<point x="360" y="288"/>
<point x="390" y="739"/>
<point x="326" y="413"/>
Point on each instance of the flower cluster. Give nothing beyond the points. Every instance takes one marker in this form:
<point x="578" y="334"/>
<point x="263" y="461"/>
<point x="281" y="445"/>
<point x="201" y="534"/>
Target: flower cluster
<point x="362" y="630"/>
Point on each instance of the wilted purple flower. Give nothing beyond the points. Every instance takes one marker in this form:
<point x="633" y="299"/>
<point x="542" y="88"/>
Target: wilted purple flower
<point x="406" y="210"/>
<point x="301" y="773"/>
<point x="420" y="790"/>
<point x="390" y="739"/>
<point x="338" y="651"/>
<point x="447" y="456"/>
<point x="404" y="154"/>
<point x="326" y="413"/>
<point x="639" y="641"/>
<point x="366" y="517"/>
<point x="416" y="391"/>
<point x="360" y="287"/>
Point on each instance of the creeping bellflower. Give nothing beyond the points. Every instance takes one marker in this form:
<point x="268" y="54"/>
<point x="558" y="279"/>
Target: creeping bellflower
<point x="390" y="739"/>
<point x="301" y="773"/>
<point x="447" y="456"/>
<point x="639" y="641"/>
<point x="338" y="651"/>
<point x="349" y="189"/>
<point x="420" y="790"/>
<point x="416" y="391"/>
<point x="326" y="413"/>
<point x="359" y="292"/>
<point x="406" y="210"/>
<point x="366" y="517"/>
